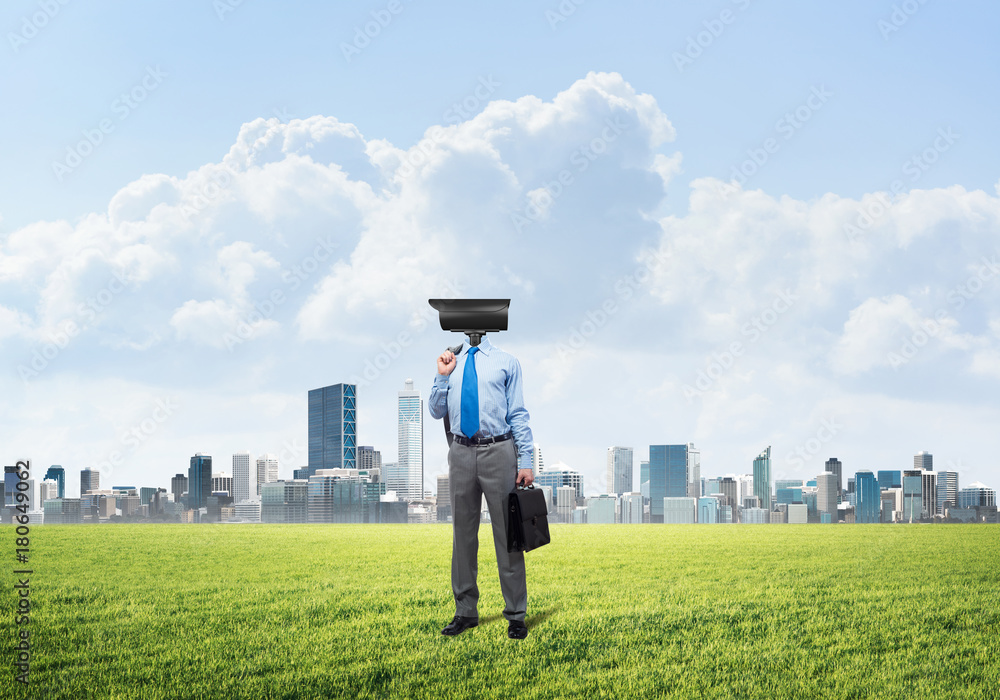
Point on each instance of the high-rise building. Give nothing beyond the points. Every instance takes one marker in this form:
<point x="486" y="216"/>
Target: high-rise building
<point x="411" y="442"/>
<point x="929" y="504"/>
<point x="222" y="482"/>
<point x="199" y="481"/>
<point x="913" y="499"/>
<point x="395" y="478"/>
<point x="674" y="472"/>
<point x="333" y="429"/>
<point x="977" y="495"/>
<point x="890" y="479"/>
<point x="537" y="463"/>
<point x="708" y="510"/>
<point x="619" y="471"/>
<point x="835" y="466"/>
<point x="868" y="508"/>
<point x="49" y="488"/>
<point x="826" y="495"/>
<point x="631" y="508"/>
<point x="565" y="503"/>
<point x="284" y="501"/>
<point x="443" y="498"/>
<point x="924" y="461"/>
<point x="762" y="478"/>
<point x="90" y="480"/>
<point x="267" y="470"/>
<point x="798" y="513"/>
<point x="178" y="486"/>
<point x="58" y="474"/>
<point x="947" y="491"/>
<point x="369" y="458"/>
<point x="680" y="509"/>
<point x="344" y="496"/>
<point x="241" y="478"/>
<point x="557" y="475"/>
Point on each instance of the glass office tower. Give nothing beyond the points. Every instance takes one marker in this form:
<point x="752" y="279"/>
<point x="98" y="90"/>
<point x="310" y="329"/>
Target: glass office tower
<point x="333" y="429"/>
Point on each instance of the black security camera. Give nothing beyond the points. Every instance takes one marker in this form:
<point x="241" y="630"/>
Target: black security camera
<point x="474" y="317"/>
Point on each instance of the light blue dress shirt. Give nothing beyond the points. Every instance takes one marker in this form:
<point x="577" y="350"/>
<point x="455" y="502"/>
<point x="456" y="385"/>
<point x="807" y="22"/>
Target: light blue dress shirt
<point x="501" y="404"/>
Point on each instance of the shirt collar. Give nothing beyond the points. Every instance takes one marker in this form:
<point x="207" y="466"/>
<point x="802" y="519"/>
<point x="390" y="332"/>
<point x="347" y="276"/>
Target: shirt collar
<point x="484" y="346"/>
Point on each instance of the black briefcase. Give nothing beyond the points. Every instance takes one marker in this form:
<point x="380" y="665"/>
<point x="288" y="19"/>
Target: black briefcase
<point x="527" y="520"/>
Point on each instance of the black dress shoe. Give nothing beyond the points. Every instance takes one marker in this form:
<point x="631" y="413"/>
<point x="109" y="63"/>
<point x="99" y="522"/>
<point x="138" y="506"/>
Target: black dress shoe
<point x="459" y="625"/>
<point x="516" y="629"/>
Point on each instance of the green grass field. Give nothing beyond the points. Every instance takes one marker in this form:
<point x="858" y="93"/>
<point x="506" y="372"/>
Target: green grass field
<point x="329" y="611"/>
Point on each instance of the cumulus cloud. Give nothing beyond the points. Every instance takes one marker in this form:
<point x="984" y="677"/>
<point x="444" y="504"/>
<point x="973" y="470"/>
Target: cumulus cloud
<point x="310" y="248"/>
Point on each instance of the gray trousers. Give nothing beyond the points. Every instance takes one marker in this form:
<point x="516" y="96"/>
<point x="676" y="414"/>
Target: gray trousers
<point x="475" y="471"/>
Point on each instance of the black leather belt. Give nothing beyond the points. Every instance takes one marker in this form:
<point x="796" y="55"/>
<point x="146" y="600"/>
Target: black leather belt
<point x="462" y="440"/>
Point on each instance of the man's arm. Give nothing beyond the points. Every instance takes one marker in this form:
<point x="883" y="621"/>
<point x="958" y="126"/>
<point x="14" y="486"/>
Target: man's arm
<point x="437" y="402"/>
<point x="517" y="418"/>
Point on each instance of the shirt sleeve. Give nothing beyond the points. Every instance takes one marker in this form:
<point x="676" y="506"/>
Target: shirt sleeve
<point x="517" y="418"/>
<point x="437" y="402"/>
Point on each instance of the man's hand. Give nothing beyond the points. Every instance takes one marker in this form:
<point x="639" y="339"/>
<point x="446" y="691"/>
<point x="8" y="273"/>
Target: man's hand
<point x="446" y="363"/>
<point x="525" y="475"/>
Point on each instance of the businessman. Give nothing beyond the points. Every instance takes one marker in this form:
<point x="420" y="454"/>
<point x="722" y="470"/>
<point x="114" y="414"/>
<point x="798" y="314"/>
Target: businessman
<point x="480" y="390"/>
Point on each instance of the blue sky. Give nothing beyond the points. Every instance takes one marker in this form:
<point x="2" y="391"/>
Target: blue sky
<point x="204" y="211"/>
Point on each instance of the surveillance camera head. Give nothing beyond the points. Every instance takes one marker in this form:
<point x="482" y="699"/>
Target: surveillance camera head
<point x="474" y="317"/>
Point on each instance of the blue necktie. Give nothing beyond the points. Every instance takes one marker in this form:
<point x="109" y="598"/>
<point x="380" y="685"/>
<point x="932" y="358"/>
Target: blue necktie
<point x="470" y="395"/>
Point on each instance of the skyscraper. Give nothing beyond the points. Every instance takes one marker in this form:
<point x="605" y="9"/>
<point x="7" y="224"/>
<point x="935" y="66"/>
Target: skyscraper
<point x="762" y="478"/>
<point x="48" y="489"/>
<point x="912" y="494"/>
<point x="947" y="490"/>
<point x="178" y="485"/>
<point x="669" y="476"/>
<point x="890" y="479"/>
<point x="559" y="475"/>
<point x="694" y="471"/>
<point x="929" y="505"/>
<point x="90" y="480"/>
<point x="537" y="463"/>
<point x="333" y="429"/>
<point x="977" y="495"/>
<point x="199" y="481"/>
<point x="834" y="466"/>
<point x="411" y="442"/>
<point x="267" y="470"/>
<point x="58" y="474"/>
<point x="619" y="470"/>
<point x="923" y="460"/>
<point x="222" y="482"/>
<point x="826" y="495"/>
<point x="443" y="498"/>
<point x="868" y="508"/>
<point x="369" y="458"/>
<point x="241" y="477"/>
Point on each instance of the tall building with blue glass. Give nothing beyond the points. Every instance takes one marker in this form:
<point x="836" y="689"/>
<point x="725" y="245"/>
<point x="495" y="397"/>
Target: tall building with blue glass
<point x="890" y="479"/>
<point x="58" y="475"/>
<point x="199" y="481"/>
<point x="333" y="429"/>
<point x="762" y="479"/>
<point x="669" y="476"/>
<point x="868" y="501"/>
